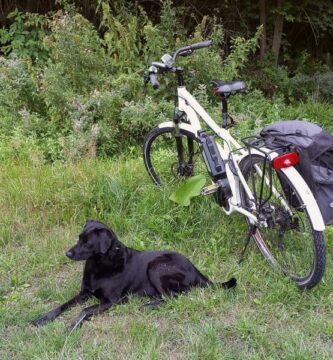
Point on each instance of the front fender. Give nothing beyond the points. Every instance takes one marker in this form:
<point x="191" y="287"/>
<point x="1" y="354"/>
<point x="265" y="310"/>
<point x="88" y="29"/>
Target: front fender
<point x="183" y="126"/>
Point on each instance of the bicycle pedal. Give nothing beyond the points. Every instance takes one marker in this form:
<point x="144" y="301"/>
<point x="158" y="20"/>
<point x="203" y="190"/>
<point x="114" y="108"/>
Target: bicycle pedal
<point x="210" y="189"/>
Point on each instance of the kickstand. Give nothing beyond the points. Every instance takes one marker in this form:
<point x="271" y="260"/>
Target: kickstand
<point x="252" y="231"/>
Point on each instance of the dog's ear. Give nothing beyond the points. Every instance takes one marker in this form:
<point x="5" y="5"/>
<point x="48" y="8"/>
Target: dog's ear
<point x="105" y="240"/>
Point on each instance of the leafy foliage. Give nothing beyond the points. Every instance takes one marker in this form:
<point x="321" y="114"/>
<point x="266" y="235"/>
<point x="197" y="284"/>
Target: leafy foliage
<point x="78" y="92"/>
<point x="189" y="189"/>
<point x="24" y="38"/>
<point x="18" y="94"/>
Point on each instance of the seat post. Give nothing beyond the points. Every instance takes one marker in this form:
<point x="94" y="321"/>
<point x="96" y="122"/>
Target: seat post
<point x="225" y="116"/>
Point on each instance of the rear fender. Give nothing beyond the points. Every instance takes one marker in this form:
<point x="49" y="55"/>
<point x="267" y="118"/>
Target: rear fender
<point x="307" y="197"/>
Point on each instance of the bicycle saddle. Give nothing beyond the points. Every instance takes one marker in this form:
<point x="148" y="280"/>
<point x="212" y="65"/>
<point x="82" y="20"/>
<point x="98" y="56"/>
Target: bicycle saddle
<point x="228" y="88"/>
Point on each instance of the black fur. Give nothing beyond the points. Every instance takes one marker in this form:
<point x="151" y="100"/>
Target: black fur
<point x="113" y="271"/>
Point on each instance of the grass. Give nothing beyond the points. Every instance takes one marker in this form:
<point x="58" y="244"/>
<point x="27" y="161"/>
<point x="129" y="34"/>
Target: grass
<point x="43" y="208"/>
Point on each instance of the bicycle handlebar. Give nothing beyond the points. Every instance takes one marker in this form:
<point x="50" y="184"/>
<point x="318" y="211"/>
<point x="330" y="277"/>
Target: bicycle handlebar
<point x="201" y="44"/>
<point x="187" y="50"/>
<point x="170" y="61"/>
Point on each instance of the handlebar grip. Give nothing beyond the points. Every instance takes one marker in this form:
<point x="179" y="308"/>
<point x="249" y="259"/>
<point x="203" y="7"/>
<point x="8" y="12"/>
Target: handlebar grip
<point x="153" y="80"/>
<point x="201" y="44"/>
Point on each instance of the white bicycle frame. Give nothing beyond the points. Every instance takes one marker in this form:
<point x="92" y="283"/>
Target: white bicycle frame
<point x="188" y="104"/>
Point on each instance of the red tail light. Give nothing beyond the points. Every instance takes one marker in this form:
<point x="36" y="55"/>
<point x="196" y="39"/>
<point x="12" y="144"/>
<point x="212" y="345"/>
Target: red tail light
<point x="285" y="161"/>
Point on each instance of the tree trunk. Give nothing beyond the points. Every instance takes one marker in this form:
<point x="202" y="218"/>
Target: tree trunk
<point x="278" y="28"/>
<point x="263" y="39"/>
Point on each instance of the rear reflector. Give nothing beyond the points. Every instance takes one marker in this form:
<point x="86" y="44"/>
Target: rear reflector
<point x="285" y="161"/>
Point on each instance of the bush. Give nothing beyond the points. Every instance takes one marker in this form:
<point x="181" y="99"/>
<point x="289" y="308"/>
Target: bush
<point x="77" y="50"/>
<point x="86" y="98"/>
<point x="309" y="80"/>
<point x="318" y="87"/>
<point x="24" y="38"/>
<point x="137" y="118"/>
<point x="20" y="149"/>
<point x="18" y="93"/>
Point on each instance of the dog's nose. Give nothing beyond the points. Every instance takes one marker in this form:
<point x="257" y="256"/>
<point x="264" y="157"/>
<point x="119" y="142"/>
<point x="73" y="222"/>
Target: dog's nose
<point x="70" y="254"/>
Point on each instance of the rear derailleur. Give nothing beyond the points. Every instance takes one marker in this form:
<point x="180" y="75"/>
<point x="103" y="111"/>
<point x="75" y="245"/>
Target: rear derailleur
<point x="278" y="218"/>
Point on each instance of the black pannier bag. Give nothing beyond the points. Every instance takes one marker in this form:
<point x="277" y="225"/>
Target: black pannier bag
<point x="315" y="149"/>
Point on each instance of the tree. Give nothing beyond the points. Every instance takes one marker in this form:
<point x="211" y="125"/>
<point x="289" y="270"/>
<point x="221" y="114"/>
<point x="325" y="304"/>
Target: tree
<point x="263" y="39"/>
<point x="278" y="28"/>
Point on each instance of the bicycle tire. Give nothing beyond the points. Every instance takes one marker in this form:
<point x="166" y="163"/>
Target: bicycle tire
<point x="301" y="247"/>
<point x="161" y="160"/>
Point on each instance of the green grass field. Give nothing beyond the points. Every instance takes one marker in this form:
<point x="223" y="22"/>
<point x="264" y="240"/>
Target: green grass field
<point x="44" y="207"/>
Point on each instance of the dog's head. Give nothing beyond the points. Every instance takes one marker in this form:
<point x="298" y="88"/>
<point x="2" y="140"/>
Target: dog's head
<point x="95" y="239"/>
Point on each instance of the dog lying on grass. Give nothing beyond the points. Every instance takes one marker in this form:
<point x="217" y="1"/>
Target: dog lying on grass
<point x="114" y="271"/>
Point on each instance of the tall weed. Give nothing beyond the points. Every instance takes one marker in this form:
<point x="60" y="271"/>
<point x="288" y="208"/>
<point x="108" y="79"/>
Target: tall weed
<point x="86" y="99"/>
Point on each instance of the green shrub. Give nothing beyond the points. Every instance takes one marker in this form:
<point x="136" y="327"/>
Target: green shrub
<point x="86" y="99"/>
<point x="307" y="80"/>
<point x="137" y="118"/>
<point x="18" y="92"/>
<point x="271" y="79"/>
<point x="77" y="64"/>
<point x="24" y="38"/>
<point x="20" y="149"/>
<point x="318" y="87"/>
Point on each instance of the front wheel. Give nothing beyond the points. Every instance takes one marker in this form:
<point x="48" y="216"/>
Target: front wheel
<point x="171" y="158"/>
<point x="285" y="235"/>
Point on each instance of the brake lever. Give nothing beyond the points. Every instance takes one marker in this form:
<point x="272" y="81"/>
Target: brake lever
<point x="187" y="53"/>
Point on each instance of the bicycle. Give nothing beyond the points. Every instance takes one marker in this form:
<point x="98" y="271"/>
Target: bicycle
<point x="249" y="179"/>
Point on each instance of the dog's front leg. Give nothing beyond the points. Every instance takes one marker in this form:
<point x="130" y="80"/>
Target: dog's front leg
<point x="90" y="311"/>
<point x="78" y="299"/>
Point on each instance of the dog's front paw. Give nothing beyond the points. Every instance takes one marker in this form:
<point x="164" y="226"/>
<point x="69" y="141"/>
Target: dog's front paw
<point x="77" y="321"/>
<point x="40" y="321"/>
<point x="72" y="327"/>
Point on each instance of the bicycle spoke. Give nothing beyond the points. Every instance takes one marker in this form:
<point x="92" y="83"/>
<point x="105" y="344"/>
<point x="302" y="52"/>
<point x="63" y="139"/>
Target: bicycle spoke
<point x="285" y="235"/>
<point x="170" y="159"/>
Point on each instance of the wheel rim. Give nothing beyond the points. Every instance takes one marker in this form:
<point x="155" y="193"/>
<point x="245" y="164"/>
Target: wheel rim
<point x="162" y="159"/>
<point x="286" y="236"/>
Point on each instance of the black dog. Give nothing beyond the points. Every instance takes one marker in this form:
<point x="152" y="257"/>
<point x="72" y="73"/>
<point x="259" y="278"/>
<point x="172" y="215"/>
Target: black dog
<point x="113" y="271"/>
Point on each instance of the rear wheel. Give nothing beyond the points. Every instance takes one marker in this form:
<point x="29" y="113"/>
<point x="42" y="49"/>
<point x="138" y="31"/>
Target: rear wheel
<point x="285" y="235"/>
<point x="170" y="159"/>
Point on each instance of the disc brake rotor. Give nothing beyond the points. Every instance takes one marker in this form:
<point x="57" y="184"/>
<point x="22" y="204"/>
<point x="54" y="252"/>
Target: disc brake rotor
<point x="182" y="171"/>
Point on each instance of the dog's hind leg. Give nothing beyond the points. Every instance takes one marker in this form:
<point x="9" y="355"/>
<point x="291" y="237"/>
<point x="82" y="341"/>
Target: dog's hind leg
<point x="78" y="299"/>
<point x="168" y="280"/>
<point x="155" y="302"/>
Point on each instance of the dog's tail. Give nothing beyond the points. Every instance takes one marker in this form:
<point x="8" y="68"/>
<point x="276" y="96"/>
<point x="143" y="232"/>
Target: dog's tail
<point x="228" y="284"/>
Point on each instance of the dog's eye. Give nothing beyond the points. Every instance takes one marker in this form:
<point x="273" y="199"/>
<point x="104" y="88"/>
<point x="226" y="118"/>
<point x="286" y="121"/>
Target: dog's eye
<point x="82" y="240"/>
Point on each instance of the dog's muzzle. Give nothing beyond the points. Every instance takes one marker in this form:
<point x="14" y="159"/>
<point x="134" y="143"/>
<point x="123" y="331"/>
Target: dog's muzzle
<point x="70" y="254"/>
